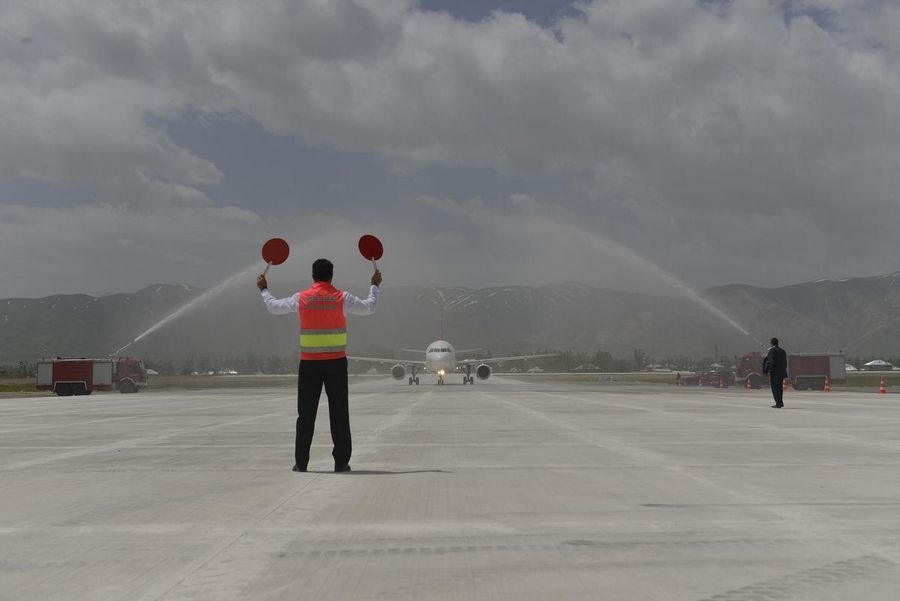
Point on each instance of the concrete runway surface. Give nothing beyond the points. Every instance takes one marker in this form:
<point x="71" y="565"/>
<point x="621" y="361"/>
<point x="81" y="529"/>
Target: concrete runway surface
<point x="509" y="489"/>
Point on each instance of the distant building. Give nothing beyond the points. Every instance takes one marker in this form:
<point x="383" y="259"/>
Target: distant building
<point x="878" y="365"/>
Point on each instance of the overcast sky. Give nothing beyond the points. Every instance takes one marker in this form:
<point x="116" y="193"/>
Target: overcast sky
<point x="486" y="143"/>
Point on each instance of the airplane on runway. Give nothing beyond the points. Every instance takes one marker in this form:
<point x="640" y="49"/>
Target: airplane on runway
<point x="440" y="359"/>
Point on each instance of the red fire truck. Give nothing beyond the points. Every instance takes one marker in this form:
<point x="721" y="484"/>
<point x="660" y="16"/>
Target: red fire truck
<point x="805" y="370"/>
<point x="67" y="376"/>
<point x="748" y="370"/>
<point x="809" y="370"/>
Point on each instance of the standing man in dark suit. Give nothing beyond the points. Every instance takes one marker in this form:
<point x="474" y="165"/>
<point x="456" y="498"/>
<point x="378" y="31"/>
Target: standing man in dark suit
<point x="775" y="364"/>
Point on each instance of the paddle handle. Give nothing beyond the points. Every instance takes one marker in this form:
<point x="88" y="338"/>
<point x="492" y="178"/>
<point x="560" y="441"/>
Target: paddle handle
<point x="374" y="264"/>
<point x="266" y="270"/>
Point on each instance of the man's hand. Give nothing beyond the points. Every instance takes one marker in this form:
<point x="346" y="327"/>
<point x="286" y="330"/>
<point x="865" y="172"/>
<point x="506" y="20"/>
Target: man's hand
<point x="261" y="283"/>
<point x="376" y="278"/>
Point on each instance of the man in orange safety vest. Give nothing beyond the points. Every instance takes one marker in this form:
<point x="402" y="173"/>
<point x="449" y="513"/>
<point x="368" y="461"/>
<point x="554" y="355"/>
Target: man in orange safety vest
<point x="322" y="310"/>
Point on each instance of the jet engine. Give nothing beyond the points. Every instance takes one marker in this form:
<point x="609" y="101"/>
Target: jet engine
<point x="483" y="371"/>
<point x="398" y="372"/>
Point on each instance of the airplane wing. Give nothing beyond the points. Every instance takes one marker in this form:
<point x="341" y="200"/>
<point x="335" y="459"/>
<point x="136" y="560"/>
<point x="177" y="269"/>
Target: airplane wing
<point x="391" y="361"/>
<point x="468" y="350"/>
<point x="499" y="359"/>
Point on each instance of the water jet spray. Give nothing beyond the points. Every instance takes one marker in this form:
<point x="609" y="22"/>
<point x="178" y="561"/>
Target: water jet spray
<point x="192" y="304"/>
<point x="628" y="255"/>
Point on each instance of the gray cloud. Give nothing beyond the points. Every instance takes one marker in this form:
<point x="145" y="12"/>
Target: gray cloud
<point x="753" y="142"/>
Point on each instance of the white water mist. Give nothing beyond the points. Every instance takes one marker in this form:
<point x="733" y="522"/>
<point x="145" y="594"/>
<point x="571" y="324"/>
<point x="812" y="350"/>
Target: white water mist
<point x="629" y="256"/>
<point x="193" y="303"/>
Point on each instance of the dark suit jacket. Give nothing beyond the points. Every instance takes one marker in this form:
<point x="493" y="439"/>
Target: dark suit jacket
<point x="775" y="363"/>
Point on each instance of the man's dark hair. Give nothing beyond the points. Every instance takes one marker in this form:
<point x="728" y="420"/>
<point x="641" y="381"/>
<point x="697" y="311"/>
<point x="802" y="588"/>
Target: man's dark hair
<point x="323" y="270"/>
<point x="774" y="342"/>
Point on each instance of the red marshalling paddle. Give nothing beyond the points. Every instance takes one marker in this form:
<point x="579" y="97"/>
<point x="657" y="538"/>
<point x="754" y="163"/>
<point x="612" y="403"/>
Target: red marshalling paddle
<point x="370" y="247"/>
<point x="275" y="252"/>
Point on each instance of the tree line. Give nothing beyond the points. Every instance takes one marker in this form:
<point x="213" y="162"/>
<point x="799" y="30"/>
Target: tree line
<point x="563" y="361"/>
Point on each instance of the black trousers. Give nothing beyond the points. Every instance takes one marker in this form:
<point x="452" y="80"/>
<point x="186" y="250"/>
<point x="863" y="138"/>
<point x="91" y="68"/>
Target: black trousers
<point x="777" y="383"/>
<point x="331" y="373"/>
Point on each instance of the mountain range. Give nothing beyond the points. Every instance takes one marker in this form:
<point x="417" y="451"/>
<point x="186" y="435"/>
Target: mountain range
<point x="859" y="316"/>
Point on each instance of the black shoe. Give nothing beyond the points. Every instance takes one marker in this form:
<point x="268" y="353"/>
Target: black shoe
<point x="342" y="468"/>
<point x="297" y="468"/>
<point x="777" y="406"/>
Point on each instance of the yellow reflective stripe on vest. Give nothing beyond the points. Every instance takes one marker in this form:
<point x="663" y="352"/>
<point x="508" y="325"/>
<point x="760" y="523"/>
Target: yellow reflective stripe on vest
<point x="326" y="341"/>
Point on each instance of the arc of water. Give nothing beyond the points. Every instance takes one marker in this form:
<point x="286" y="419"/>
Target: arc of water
<point x="190" y="305"/>
<point x="632" y="257"/>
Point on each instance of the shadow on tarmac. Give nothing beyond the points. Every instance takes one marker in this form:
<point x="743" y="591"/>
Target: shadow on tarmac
<point x="379" y="472"/>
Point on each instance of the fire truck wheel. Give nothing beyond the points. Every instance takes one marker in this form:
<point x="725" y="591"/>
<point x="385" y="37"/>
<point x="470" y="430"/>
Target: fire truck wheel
<point x="63" y="390"/>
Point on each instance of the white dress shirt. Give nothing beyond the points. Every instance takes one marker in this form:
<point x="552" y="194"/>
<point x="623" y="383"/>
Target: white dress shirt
<point x="352" y="303"/>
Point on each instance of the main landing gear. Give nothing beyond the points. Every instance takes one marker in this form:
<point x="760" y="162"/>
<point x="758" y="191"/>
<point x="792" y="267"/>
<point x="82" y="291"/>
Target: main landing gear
<point x="413" y="378"/>
<point x="467" y="377"/>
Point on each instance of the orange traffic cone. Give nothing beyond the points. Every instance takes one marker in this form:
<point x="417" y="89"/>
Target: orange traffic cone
<point x="882" y="390"/>
<point x="748" y="387"/>
<point x="784" y="384"/>
<point x="827" y="385"/>
<point x="721" y="383"/>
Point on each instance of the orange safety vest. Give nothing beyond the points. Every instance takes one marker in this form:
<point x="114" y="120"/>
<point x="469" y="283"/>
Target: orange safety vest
<point x="323" y="326"/>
